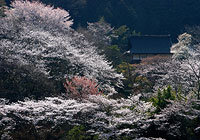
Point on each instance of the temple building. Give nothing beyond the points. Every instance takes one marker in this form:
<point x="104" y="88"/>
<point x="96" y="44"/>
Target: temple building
<point x="149" y="45"/>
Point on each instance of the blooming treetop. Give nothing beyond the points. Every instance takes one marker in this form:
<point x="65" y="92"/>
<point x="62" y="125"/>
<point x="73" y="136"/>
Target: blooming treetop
<point x="39" y="35"/>
<point x="38" y="13"/>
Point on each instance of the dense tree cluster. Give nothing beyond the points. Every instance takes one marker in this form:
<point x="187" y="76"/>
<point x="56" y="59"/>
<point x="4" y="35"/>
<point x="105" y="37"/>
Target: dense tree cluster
<point x="105" y="117"/>
<point x="56" y="83"/>
<point x="181" y="71"/>
<point x="39" y="35"/>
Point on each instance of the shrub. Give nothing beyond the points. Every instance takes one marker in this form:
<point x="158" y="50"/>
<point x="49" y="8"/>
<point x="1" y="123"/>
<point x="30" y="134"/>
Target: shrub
<point x="79" y="133"/>
<point x="162" y="99"/>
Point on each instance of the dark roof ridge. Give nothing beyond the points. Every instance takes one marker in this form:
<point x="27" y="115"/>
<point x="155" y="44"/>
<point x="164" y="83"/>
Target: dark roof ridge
<point x="150" y="44"/>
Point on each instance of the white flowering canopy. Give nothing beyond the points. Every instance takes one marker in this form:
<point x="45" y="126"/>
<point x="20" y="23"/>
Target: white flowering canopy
<point x="182" y="47"/>
<point x="39" y="35"/>
<point x="103" y="116"/>
<point x="182" y="71"/>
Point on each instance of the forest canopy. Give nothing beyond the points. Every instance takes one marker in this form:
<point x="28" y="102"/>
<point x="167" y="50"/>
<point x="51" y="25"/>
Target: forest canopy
<point x="145" y="16"/>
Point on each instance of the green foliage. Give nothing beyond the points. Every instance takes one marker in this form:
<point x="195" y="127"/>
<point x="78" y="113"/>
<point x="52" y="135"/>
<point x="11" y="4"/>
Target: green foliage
<point x="2" y="3"/>
<point x="142" y="85"/>
<point x="122" y="138"/>
<point x="79" y="133"/>
<point x="122" y="30"/>
<point x="127" y="70"/>
<point x="161" y="100"/>
<point x="132" y="81"/>
<point x="120" y="40"/>
<point x="113" y="54"/>
<point x="123" y="33"/>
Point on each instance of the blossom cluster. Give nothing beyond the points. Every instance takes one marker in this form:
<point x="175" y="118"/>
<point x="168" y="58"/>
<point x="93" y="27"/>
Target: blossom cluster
<point x="103" y="116"/>
<point x="39" y="35"/>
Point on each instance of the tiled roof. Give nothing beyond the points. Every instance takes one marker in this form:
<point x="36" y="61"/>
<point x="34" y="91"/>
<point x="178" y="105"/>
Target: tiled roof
<point x="150" y="44"/>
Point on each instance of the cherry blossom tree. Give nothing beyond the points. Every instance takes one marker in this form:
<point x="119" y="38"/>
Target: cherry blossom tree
<point x="39" y="35"/>
<point x="81" y="87"/>
<point x="99" y="34"/>
<point x="187" y="53"/>
<point x="182" y="71"/>
<point x="106" y="117"/>
<point x="161" y="72"/>
<point x="177" y="121"/>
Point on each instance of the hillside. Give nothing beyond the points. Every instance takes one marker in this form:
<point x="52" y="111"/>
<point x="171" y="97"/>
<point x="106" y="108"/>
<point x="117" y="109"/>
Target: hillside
<point x="145" y="16"/>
